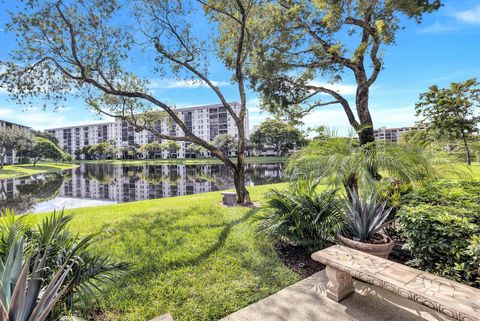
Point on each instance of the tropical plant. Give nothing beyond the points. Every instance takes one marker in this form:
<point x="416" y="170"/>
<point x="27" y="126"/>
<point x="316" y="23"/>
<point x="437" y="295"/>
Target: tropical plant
<point x="62" y="264"/>
<point x="441" y="229"/>
<point x="343" y="161"/>
<point x="364" y="216"/>
<point x="301" y="216"/>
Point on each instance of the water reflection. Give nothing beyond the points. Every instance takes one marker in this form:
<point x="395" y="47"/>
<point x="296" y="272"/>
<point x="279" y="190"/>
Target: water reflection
<point x="93" y="184"/>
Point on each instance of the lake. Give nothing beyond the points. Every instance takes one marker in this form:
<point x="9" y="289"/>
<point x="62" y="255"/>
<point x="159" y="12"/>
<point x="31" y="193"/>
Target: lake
<point x="99" y="184"/>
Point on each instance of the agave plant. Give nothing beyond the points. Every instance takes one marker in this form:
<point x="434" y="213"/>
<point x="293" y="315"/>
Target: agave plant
<point x="301" y="216"/>
<point x="364" y="216"/>
<point x="29" y="298"/>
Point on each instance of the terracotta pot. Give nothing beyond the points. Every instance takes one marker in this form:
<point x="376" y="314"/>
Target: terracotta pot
<point x="380" y="250"/>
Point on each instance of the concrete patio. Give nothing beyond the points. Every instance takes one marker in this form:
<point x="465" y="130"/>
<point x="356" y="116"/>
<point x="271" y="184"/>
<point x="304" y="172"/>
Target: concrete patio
<point x="306" y="301"/>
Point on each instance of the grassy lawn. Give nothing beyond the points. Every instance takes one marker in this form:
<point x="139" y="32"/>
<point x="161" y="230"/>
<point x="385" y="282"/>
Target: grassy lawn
<point x="191" y="257"/>
<point x="20" y="170"/>
<point x="186" y="161"/>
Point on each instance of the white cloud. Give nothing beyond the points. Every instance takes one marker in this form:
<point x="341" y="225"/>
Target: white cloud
<point x="471" y="16"/>
<point x="175" y="83"/>
<point x="343" y="89"/>
<point x="437" y="27"/>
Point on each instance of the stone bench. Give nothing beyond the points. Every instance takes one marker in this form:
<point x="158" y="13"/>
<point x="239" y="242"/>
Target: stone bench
<point x="458" y="301"/>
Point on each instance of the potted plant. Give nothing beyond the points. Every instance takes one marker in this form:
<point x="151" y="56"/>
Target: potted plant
<point x="364" y="219"/>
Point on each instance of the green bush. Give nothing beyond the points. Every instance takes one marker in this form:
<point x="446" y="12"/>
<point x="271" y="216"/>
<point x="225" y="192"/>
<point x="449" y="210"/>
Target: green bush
<point x="301" y="216"/>
<point x="441" y="227"/>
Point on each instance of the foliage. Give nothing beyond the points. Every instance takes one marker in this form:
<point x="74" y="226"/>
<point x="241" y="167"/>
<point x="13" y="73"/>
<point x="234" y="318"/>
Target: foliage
<point x="14" y="138"/>
<point x="301" y="215"/>
<point x="304" y="41"/>
<point x="452" y="112"/>
<point x="106" y="149"/>
<point x="364" y="216"/>
<point x="441" y="227"/>
<point x="225" y="142"/>
<point x="171" y="145"/>
<point x="281" y="135"/>
<point x="153" y="147"/>
<point x="44" y="148"/>
<point x="62" y="269"/>
<point x="342" y="161"/>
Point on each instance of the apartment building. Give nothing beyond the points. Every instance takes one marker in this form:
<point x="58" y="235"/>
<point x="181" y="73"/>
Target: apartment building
<point x="206" y="122"/>
<point x="394" y="134"/>
<point x="74" y="137"/>
<point x="11" y="156"/>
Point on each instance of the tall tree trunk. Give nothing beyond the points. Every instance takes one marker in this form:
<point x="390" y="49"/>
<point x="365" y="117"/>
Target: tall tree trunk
<point x="365" y="134"/>
<point x="243" y="196"/>
<point x="467" y="149"/>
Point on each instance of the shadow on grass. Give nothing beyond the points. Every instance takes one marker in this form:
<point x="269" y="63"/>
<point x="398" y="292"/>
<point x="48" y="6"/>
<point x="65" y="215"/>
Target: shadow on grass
<point x="149" y="236"/>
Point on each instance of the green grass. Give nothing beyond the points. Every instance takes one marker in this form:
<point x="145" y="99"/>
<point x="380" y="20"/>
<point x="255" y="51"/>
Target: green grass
<point x="186" y="161"/>
<point x="20" y="170"/>
<point x="191" y="257"/>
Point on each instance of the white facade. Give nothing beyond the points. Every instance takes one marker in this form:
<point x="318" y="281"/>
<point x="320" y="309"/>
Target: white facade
<point x="72" y="138"/>
<point x="205" y="122"/>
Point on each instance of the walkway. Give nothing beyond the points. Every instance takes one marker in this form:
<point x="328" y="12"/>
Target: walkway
<point x="306" y="301"/>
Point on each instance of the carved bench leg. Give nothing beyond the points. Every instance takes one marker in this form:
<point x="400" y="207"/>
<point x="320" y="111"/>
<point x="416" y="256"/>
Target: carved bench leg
<point x="340" y="284"/>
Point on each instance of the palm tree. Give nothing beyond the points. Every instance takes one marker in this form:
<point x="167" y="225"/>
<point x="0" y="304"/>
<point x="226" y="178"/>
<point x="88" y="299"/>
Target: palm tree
<point x="343" y="161"/>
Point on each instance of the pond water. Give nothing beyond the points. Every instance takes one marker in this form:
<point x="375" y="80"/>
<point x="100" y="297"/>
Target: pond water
<point x="99" y="184"/>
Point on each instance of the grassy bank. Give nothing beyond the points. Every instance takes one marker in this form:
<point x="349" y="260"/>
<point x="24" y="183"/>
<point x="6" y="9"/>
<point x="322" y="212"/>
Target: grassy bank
<point x="186" y="161"/>
<point x="20" y="170"/>
<point x="191" y="257"/>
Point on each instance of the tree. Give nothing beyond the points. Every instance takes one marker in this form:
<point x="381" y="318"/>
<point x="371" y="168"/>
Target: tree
<point x="14" y="138"/>
<point x="153" y="147"/>
<point x="281" y="135"/>
<point x="171" y="146"/>
<point x="196" y="150"/>
<point x="453" y="111"/>
<point x="79" y="47"/>
<point x="305" y="40"/>
<point x="44" y="148"/>
<point x="225" y="142"/>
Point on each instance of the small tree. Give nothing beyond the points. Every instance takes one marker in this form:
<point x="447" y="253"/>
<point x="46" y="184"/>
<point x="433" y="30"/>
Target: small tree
<point x="153" y="147"/>
<point x="14" y="138"/>
<point x="44" y="148"/>
<point x="171" y="146"/>
<point x="453" y="111"/>
<point x="225" y="142"/>
<point x="278" y="134"/>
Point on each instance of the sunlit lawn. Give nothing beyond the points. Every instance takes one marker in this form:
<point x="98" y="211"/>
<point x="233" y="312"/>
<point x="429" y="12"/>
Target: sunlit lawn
<point x="191" y="257"/>
<point x="20" y="170"/>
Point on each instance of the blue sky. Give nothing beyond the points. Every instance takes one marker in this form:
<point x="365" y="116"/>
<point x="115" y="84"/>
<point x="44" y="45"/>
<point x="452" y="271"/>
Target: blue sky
<point x="444" y="48"/>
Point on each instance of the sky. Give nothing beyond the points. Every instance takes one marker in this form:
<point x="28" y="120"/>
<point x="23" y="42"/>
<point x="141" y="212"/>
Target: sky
<point x="444" y="48"/>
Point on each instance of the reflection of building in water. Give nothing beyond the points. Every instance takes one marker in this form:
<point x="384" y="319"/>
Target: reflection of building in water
<point x="119" y="183"/>
<point x="134" y="183"/>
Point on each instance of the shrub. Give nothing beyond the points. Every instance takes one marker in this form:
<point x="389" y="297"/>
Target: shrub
<point x="301" y="216"/>
<point x="441" y="227"/>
